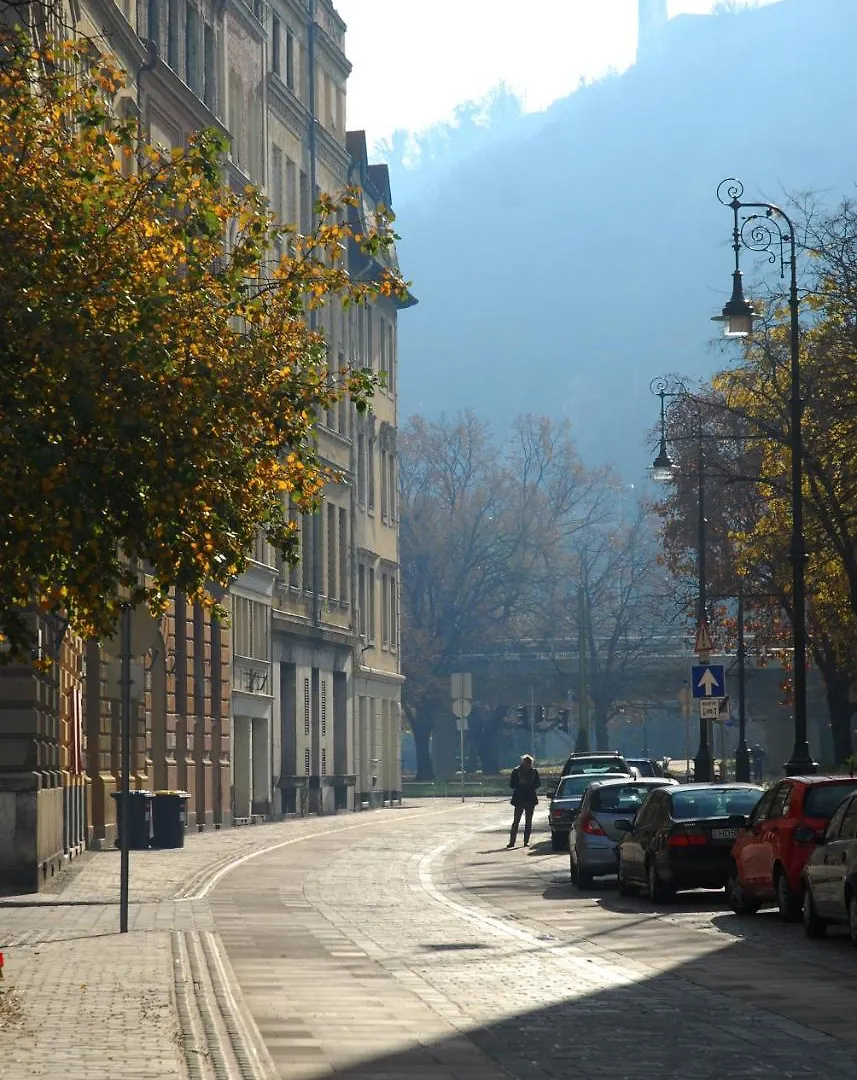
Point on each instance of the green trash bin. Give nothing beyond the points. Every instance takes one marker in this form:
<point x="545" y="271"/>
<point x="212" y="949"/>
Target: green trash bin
<point x="169" y="817"/>
<point x="139" y="819"/>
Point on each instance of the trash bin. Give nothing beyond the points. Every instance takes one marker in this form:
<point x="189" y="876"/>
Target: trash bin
<point x="139" y="819"/>
<point x="169" y="816"/>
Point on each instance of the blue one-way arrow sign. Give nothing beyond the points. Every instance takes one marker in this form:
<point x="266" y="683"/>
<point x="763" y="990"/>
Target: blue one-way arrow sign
<point x="708" y="681"/>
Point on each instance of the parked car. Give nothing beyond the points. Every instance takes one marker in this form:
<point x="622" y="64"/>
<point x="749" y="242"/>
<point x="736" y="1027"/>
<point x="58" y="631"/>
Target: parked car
<point x="830" y="875"/>
<point x="565" y="803"/>
<point x="768" y="859"/>
<point x="682" y="837"/>
<point x="594" y="836"/>
<point x="596" y="761"/>
<point x="645" y="766"/>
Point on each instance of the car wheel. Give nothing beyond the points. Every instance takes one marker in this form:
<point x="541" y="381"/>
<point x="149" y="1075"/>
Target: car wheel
<point x="624" y="888"/>
<point x="559" y="840"/>
<point x="658" y="892"/>
<point x="737" y="899"/>
<point x="787" y="902"/>
<point x="852" y="917"/>
<point x="812" y="925"/>
<point x="584" y="879"/>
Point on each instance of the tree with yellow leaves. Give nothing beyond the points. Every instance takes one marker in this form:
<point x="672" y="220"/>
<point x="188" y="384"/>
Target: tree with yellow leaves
<point x="160" y="385"/>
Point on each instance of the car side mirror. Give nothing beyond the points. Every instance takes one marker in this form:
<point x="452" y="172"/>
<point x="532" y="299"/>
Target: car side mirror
<point x="623" y="825"/>
<point x="805" y="835"/>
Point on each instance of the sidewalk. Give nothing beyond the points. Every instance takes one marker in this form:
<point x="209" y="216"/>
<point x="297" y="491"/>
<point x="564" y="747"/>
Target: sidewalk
<point x="82" y="1002"/>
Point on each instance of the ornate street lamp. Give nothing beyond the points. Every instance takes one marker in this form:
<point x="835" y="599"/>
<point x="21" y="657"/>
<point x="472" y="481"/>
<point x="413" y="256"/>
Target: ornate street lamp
<point x="772" y="233"/>
<point x="663" y="469"/>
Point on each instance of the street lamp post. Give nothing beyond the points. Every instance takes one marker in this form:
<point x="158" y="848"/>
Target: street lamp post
<point x="742" y="754"/>
<point x="664" y="469"/>
<point x="772" y="233"/>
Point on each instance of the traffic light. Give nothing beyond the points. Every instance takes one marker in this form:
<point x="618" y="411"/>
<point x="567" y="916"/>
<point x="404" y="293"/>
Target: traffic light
<point x="563" y="722"/>
<point x="540" y="717"/>
<point x="523" y="715"/>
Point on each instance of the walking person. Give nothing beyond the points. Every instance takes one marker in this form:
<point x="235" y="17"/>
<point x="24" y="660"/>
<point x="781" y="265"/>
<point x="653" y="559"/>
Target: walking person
<point x="524" y="783"/>
<point x="758" y="755"/>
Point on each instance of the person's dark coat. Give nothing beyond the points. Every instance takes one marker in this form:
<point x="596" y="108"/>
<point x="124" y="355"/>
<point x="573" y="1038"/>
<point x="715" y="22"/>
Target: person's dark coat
<point x="524" y="785"/>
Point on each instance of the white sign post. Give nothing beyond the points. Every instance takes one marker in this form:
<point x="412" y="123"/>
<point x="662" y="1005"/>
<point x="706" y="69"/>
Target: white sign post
<point x="461" y="685"/>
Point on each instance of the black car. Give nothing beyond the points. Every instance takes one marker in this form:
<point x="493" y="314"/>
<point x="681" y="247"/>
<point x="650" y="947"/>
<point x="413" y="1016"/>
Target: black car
<point x="645" y="766"/>
<point x="597" y="761"/>
<point x="682" y="837"/>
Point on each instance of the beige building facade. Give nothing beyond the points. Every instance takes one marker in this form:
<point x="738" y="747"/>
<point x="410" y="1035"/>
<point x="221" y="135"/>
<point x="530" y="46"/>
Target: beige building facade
<point x="294" y="707"/>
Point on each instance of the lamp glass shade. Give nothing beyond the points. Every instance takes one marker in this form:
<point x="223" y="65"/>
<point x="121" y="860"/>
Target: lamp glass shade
<point x="739" y="324"/>
<point x="663" y="468"/>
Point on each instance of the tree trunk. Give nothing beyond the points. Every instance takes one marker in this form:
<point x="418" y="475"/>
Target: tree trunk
<point x="602" y="736"/>
<point x="485" y="731"/>
<point x="841" y="711"/>
<point x="422" y="742"/>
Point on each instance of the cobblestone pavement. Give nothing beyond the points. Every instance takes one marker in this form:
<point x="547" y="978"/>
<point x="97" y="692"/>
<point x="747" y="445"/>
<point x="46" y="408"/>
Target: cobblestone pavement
<point x="427" y="951"/>
<point x="82" y="1002"/>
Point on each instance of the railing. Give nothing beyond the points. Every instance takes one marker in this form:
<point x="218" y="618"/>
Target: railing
<point x="446" y="789"/>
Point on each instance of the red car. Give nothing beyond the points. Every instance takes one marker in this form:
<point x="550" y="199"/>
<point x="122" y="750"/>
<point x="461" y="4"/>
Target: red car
<point x="781" y="833"/>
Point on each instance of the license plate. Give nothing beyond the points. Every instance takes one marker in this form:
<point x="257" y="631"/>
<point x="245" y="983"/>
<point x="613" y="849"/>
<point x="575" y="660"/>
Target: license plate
<point x="724" y="834"/>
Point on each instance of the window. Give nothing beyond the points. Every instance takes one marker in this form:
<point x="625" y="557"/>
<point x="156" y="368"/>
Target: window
<point x="344" y="576"/>
<point x="342" y="404"/>
<point x="294" y="515"/>
<point x="394" y="612"/>
<point x="384" y="477"/>
<point x="391" y="483"/>
<point x="763" y="806"/>
<point x="277" y="181"/>
<point x="822" y="799"/>
<point x="251" y="628"/>
<point x="305" y="209"/>
<point x="172" y="35"/>
<point x="385" y="611"/>
<point x="323" y="761"/>
<point x="290" y="60"/>
<point x="275" y="45"/>
<point x="780" y="800"/>
<point x="361" y="600"/>
<point x="391" y="358"/>
<point x="306" y="552"/>
<point x="209" y="68"/>
<point x="306" y="761"/>
<point x="370" y="474"/>
<point x="306" y="708"/>
<point x="291" y="192"/>
<point x="154" y="21"/>
<point x="361" y="469"/>
<point x="323" y="707"/>
<point x="849" y="823"/>
<point x="192" y="72"/>
<point x="834" y="826"/>
<point x="332" y="561"/>
<point x="370" y="605"/>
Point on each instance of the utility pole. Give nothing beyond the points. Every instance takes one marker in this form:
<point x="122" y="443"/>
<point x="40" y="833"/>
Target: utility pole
<point x="583" y="673"/>
<point x="532" y="719"/>
<point x="125" y="780"/>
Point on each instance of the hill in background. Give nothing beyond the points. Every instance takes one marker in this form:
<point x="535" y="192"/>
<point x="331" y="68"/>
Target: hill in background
<point x="573" y="257"/>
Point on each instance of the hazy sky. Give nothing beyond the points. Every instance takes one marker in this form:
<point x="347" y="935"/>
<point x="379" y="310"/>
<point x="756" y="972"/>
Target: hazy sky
<point x="415" y="60"/>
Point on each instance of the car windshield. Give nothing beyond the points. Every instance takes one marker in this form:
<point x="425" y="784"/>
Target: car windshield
<point x="713" y="802"/>
<point x="571" y="786"/>
<point x="822" y="799"/>
<point x="643" y="766"/>
<point x="620" y="798"/>
<point x="593" y="768"/>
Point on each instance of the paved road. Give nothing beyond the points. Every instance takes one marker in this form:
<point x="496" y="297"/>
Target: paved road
<point x="417" y="947"/>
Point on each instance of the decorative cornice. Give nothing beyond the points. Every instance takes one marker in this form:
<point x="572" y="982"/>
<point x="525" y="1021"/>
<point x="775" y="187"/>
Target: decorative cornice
<point x="251" y="24"/>
<point x="285" y="104"/>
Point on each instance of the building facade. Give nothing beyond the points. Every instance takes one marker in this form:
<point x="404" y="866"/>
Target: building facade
<point x="295" y="706"/>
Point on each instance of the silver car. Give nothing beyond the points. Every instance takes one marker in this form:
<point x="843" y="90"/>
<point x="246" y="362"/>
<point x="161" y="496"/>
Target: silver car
<point x="565" y="802"/>
<point x="594" y="836"/>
